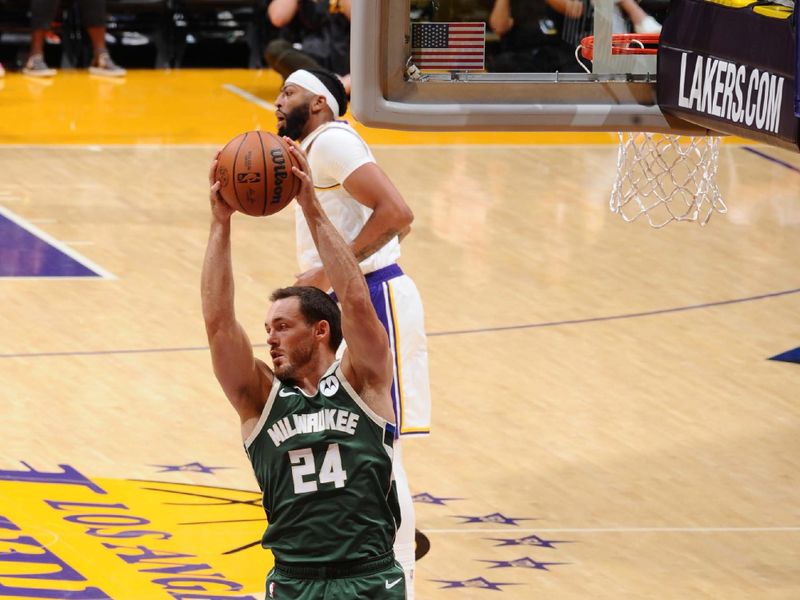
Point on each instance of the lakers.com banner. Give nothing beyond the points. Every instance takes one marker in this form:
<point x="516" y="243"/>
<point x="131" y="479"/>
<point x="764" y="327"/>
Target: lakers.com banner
<point x="729" y="66"/>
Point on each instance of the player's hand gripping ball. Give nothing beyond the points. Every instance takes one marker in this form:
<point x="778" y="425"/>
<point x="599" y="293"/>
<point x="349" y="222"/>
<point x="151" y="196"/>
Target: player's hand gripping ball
<point x="255" y="173"/>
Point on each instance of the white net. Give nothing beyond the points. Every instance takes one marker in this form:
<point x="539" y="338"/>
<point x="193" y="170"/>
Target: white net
<point x="666" y="178"/>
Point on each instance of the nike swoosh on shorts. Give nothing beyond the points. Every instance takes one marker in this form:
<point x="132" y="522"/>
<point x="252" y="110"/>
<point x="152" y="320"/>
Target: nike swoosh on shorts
<point x="390" y="585"/>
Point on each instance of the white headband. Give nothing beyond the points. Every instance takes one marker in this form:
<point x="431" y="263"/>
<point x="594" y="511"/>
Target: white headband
<point x="312" y="83"/>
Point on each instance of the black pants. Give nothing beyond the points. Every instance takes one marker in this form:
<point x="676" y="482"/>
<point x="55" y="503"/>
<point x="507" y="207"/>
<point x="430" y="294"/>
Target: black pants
<point x="283" y="58"/>
<point x="93" y="13"/>
<point x="548" y="58"/>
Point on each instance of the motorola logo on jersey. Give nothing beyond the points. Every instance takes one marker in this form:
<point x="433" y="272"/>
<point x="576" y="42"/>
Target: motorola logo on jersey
<point x="329" y="386"/>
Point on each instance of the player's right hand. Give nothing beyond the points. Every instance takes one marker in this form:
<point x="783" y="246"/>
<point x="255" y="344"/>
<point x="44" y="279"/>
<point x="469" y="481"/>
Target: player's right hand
<point x="220" y="209"/>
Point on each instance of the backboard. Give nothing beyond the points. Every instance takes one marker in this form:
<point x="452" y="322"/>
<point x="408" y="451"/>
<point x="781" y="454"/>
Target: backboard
<point x="618" y="94"/>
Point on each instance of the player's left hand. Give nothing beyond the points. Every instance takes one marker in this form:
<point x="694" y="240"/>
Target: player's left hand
<point x="306" y="194"/>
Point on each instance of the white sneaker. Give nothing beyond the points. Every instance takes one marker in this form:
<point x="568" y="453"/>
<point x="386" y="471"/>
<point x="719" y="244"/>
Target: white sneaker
<point x="134" y="38"/>
<point x="36" y="67"/>
<point x="647" y="25"/>
<point x="105" y="67"/>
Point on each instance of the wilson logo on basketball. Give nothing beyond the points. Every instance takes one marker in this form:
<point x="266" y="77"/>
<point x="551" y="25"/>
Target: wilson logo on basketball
<point x="248" y="178"/>
<point x="279" y="169"/>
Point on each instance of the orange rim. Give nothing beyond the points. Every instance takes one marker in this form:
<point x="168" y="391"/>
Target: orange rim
<point x="621" y="44"/>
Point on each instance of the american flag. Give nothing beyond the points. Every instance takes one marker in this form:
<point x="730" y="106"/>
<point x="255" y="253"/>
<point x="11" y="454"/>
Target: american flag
<point x="448" y="46"/>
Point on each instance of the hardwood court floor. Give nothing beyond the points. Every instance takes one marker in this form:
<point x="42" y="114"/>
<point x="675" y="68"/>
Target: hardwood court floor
<point x="607" y="423"/>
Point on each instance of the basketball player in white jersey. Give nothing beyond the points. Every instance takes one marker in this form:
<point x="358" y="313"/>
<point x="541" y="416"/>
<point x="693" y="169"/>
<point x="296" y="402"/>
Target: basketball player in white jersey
<point x="372" y="216"/>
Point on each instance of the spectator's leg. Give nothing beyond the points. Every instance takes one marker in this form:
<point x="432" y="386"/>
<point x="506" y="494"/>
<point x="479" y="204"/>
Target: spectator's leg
<point x="93" y="18"/>
<point x="42" y="14"/>
<point x="37" y="42"/>
<point x="282" y="57"/>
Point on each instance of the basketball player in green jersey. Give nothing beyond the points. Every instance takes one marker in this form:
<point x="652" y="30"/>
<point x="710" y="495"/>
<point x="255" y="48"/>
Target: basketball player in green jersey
<point x="318" y="431"/>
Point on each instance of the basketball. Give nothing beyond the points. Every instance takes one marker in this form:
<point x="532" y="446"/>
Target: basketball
<point x="255" y="173"/>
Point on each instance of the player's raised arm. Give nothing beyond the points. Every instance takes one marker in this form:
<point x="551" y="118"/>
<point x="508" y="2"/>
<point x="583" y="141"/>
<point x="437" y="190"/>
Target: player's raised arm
<point x="244" y="379"/>
<point x="367" y="362"/>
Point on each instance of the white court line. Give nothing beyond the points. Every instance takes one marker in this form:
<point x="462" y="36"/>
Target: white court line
<point x="56" y="244"/>
<point x="619" y="530"/>
<point x="249" y="97"/>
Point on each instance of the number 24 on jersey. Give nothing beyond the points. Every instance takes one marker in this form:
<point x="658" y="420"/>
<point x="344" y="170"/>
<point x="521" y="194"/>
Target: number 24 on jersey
<point x="304" y="469"/>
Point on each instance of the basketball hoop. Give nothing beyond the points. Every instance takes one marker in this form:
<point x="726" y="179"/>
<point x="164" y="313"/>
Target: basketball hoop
<point x="667" y="178"/>
<point x="662" y="176"/>
<point x="621" y="44"/>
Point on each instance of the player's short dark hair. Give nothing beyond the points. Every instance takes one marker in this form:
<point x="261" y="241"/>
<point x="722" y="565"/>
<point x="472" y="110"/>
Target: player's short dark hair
<point x="335" y="87"/>
<point x="315" y="306"/>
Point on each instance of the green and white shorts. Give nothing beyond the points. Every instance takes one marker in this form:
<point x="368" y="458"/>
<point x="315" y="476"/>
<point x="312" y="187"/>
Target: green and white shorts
<point x="376" y="579"/>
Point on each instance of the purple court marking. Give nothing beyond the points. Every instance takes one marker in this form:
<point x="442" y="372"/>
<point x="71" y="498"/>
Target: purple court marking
<point x="778" y="161"/>
<point x="26" y="251"/>
<point x="650" y="313"/>
<point x="790" y="356"/>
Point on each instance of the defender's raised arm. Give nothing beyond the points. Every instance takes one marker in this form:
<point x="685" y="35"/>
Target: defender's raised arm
<point x="367" y="360"/>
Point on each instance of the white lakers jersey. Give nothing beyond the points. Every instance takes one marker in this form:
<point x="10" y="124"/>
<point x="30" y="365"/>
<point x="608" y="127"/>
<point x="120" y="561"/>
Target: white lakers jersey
<point x="334" y="151"/>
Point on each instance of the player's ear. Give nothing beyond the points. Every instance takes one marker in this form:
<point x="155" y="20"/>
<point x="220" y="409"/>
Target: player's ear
<point x="322" y="329"/>
<point x="319" y="103"/>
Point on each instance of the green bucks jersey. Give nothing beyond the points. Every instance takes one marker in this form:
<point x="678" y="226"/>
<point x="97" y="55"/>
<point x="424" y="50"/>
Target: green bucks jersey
<point x="324" y="465"/>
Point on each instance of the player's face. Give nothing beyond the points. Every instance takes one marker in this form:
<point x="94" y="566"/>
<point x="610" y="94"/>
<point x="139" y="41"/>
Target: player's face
<point x="293" y="109"/>
<point x="291" y="340"/>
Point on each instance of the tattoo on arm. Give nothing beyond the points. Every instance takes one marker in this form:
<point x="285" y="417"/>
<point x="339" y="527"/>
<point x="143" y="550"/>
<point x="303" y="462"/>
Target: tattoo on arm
<point x="379" y="243"/>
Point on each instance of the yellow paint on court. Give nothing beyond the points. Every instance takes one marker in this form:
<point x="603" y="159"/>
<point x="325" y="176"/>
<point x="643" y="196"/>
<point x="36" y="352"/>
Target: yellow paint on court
<point x="159" y="539"/>
<point x="189" y="106"/>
